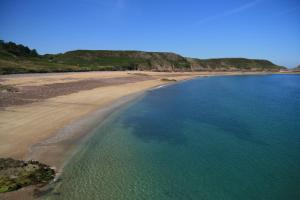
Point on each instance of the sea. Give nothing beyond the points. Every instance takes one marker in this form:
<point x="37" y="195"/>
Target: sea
<point x="210" y="138"/>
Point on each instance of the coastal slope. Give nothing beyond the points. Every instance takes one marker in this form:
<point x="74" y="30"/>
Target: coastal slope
<point x="21" y="59"/>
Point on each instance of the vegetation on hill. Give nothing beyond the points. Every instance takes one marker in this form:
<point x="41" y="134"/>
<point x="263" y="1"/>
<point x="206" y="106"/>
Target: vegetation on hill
<point x="15" y="174"/>
<point x="233" y="64"/>
<point x="12" y="49"/>
<point x="21" y="59"/>
<point x="121" y="60"/>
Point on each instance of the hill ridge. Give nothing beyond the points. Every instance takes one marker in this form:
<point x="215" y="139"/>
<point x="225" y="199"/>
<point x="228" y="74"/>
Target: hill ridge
<point x="21" y="59"/>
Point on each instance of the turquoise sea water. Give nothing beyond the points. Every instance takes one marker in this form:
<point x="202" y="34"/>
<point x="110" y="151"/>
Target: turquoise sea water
<point x="214" y="138"/>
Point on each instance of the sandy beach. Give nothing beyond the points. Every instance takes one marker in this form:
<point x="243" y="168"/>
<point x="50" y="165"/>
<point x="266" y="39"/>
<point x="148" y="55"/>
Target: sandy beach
<point x="45" y="103"/>
<point x="44" y="116"/>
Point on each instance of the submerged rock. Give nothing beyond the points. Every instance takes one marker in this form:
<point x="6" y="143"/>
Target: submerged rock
<point x="15" y="174"/>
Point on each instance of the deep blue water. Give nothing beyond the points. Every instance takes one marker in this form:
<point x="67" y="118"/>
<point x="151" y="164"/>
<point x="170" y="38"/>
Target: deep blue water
<point x="234" y="137"/>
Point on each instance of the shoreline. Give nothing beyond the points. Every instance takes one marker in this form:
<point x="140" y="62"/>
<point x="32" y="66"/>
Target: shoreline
<point x="80" y="130"/>
<point x="71" y="136"/>
<point x="44" y="118"/>
<point x="75" y="133"/>
<point x="61" y="144"/>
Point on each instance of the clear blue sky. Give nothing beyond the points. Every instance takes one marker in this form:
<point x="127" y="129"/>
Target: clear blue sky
<point x="267" y="29"/>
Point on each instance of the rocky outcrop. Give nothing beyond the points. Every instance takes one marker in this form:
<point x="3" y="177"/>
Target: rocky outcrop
<point x="15" y="174"/>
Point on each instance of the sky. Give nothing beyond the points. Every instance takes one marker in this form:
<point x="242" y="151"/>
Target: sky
<point x="263" y="29"/>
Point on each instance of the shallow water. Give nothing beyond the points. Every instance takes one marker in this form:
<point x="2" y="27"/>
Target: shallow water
<point x="234" y="137"/>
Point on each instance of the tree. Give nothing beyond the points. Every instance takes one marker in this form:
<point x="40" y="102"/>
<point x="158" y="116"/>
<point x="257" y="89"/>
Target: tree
<point x="18" y="49"/>
<point x="34" y="52"/>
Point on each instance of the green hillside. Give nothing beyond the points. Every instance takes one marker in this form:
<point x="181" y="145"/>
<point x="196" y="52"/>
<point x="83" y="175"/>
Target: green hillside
<point x="233" y="64"/>
<point x="21" y="59"/>
<point x="121" y="60"/>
